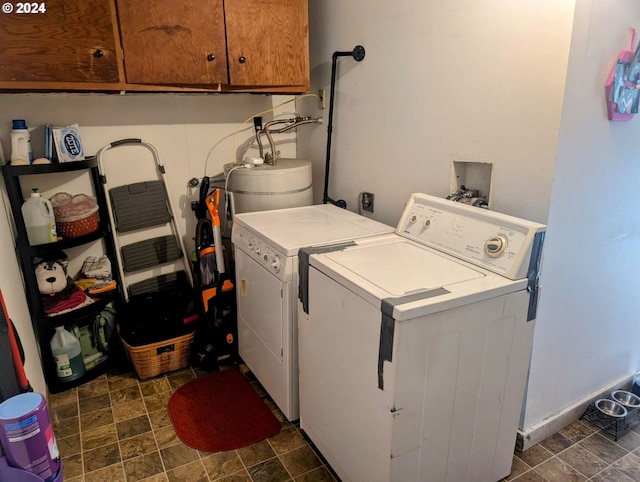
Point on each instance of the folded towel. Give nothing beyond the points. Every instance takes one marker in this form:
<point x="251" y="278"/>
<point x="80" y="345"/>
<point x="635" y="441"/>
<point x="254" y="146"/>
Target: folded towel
<point x="96" y="267"/>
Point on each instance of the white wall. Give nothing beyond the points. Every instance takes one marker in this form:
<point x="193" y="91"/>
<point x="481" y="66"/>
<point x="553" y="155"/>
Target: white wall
<point x="441" y="81"/>
<point x="587" y="333"/>
<point x="15" y="300"/>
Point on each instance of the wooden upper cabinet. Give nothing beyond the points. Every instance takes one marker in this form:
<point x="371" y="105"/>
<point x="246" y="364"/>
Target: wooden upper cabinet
<point x="267" y="42"/>
<point x="156" y="45"/>
<point x="72" y="41"/>
<point x="175" y="43"/>
<point x="234" y="43"/>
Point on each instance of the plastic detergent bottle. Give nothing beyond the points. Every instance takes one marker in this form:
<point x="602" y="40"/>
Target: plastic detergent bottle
<point x="39" y="219"/>
<point x="67" y="354"/>
<point x="21" y="142"/>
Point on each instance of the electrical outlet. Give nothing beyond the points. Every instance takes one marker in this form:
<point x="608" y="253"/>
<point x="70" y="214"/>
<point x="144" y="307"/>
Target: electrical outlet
<point x="322" y="94"/>
<point x="366" y="201"/>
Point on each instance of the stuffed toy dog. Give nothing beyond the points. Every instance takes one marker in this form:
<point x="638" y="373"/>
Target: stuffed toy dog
<point x="59" y="292"/>
<point x="52" y="275"/>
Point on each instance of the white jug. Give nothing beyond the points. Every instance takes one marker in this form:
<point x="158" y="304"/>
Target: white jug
<point x="39" y="219"/>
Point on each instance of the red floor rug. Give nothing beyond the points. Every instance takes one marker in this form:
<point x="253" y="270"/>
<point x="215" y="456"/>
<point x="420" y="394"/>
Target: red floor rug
<point x="219" y="412"/>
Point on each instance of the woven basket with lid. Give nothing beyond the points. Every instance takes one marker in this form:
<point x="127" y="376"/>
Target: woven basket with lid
<point x="76" y="215"/>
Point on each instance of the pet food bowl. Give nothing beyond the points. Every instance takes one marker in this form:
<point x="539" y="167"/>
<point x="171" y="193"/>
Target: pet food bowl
<point x="611" y="408"/>
<point x="626" y="399"/>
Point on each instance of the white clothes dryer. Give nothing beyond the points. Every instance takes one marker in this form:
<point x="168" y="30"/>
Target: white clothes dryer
<point x="266" y="245"/>
<point x="415" y="350"/>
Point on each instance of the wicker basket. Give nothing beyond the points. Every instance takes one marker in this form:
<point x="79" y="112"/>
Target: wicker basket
<point x="161" y="357"/>
<point x="75" y="229"/>
<point x="75" y="215"/>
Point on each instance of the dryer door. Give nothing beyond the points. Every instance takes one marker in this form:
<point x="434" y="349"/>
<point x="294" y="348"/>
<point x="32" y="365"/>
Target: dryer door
<point x="263" y="321"/>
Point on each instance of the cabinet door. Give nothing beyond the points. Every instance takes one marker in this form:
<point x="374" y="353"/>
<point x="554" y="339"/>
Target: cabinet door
<point x="59" y="41"/>
<point x="168" y="42"/>
<point x="267" y="42"/>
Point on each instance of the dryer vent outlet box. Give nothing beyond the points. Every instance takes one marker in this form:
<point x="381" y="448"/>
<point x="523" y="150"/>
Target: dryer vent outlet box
<point x="472" y="175"/>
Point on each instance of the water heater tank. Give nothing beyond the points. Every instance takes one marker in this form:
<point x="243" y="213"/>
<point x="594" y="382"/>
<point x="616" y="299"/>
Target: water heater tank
<point x="263" y="187"/>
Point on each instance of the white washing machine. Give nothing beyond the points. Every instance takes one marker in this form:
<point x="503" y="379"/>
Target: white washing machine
<point x="266" y="245"/>
<point x="415" y="351"/>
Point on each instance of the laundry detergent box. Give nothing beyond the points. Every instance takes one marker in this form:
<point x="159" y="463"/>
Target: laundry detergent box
<point x="68" y="143"/>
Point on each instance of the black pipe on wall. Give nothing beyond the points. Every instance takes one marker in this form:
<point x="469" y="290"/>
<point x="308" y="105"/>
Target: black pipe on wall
<point x="357" y="53"/>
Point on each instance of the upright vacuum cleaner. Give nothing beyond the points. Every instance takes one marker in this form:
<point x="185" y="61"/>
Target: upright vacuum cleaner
<point x="28" y="449"/>
<point x="216" y="333"/>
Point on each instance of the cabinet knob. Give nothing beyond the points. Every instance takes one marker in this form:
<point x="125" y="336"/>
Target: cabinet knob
<point x="98" y="53"/>
<point x="211" y="57"/>
<point x="242" y="59"/>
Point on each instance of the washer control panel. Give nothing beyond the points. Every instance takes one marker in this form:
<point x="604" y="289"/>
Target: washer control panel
<point x="273" y="261"/>
<point x="494" y="241"/>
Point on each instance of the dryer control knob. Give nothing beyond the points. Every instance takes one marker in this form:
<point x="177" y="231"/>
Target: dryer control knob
<point x="275" y="264"/>
<point x="495" y="245"/>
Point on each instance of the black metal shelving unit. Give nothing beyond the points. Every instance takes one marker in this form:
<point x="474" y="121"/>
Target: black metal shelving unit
<point x="43" y="325"/>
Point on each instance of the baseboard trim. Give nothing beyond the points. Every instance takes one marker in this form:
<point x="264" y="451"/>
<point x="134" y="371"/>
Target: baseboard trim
<point x="527" y="438"/>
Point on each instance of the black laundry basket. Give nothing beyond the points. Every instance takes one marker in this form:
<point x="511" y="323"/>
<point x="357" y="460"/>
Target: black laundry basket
<point x="155" y="330"/>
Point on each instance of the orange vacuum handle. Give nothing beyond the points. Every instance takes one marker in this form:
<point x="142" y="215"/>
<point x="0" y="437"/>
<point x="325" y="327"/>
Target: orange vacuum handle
<point x="213" y="201"/>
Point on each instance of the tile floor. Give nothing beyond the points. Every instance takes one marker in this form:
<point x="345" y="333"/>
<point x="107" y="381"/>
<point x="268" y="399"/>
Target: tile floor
<point x="580" y="452"/>
<point x="116" y="428"/>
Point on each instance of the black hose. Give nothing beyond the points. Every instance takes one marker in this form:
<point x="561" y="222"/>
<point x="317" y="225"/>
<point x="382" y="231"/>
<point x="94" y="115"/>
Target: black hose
<point x="358" y="54"/>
